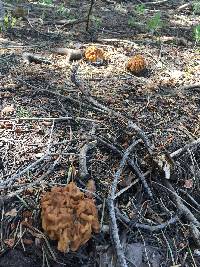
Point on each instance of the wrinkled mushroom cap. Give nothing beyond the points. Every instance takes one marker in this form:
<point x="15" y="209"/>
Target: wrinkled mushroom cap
<point x="93" y="54"/>
<point x="69" y="217"/>
<point x="136" y="64"/>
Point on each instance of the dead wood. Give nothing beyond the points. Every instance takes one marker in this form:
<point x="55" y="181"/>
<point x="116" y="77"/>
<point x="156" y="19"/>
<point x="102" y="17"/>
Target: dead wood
<point x="83" y="170"/>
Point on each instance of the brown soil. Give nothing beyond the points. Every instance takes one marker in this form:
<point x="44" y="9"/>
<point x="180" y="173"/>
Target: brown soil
<point x="161" y="101"/>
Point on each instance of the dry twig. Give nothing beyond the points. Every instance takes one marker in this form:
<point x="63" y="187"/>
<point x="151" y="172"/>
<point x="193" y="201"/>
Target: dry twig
<point x="83" y="171"/>
<point x="89" y="14"/>
<point x="111" y="198"/>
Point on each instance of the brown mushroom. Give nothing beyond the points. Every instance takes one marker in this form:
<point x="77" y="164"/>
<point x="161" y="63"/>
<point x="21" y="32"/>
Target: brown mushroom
<point x="94" y="54"/>
<point x="69" y="217"/>
<point x="136" y="64"/>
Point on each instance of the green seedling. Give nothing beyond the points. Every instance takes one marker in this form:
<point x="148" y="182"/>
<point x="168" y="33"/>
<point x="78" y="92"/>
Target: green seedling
<point x="62" y="10"/>
<point x="197" y="33"/>
<point x="8" y="22"/>
<point x="46" y="2"/>
<point x="140" y="9"/>
<point x="196" y="7"/>
<point x="131" y="22"/>
<point x="155" y="23"/>
<point x="97" y="21"/>
<point x="71" y="17"/>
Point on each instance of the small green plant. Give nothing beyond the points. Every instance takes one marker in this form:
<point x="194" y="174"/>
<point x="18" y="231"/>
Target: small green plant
<point x="155" y="23"/>
<point x="140" y="9"/>
<point x="196" y="7"/>
<point x="97" y="21"/>
<point x="46" y="2"/>
<point x="131" y="22"/>
<point x="71" y="16"/>
<point x="22" y="112"/>
<point x="62" y="10"/>
<point x="197" y="33"/>
<point x="8" y="22"/>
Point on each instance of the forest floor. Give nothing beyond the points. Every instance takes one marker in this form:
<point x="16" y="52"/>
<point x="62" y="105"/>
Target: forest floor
<point x="55" y="115"/>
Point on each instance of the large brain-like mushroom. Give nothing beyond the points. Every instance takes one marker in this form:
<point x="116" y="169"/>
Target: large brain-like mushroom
<point x="69" y="217"/>
<point x="136" y="64"/>
<point x="94" y="54"/>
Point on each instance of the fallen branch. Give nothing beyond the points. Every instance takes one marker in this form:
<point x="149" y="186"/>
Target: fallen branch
<point x="156" y="2"/>
<point x="181" y="207"/>
<point x="142" y="135"/>
<point x="180" y="151"/>
<point x="111" y="198"/>
<point x="180" y="8"/>
<point x="184" y="211"/>
<point x="190" y="86"/>
<point x="11" y="180"/>
<point x="126" y="188"/>
<point x="191" y="198"/>
<point x="65" y="22"/>
<point x="196" y="233"/>
<point x="49" y="119"/>
<point x="35" y="182"/>
<point x="156" y="228"/>
<point x="131" y="164"/>
<point x="150" y="228"/>
<point x="30" y="57"/>
<point x="89" y="14"/>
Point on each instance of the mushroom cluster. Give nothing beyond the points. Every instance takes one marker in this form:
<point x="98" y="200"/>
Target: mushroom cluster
<point x="69" y="217"/>
<point x="136" y="64"/>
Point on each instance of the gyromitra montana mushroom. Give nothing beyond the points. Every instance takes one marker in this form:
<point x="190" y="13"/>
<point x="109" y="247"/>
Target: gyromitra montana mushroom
<point x="136" y="64"/>
<point x="69" y="217"/>
<point x="94" y="54"/>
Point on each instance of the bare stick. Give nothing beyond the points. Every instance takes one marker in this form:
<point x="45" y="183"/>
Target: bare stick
<point x="156" y="2"/>
<point x="184" y="211"/>
<point x="50" y="138"/>
<point x="111" y="198"/>
<point x="126" y="188"/>
<point x="119" y="172"/>
<point x="132" y="164"/>
<point x="190" y="197"/>
<point x="65" y="22"/>
<point x="189" y="86"/>
<point x="181" y="207"/>
<point x="196" y="234"/>
<point x="185" y="148"/>
<point x="35" y="182"/>
<point x="156" y="228"/>
<point x="83" y="171"/>
<point x="16" y="176"/>
<point x="150" y="228"/>
<point x="48" y="91"/>
<point x="115" y="235"/>
<point x="142" y="136"/>
<point x="89" y="13"/>
<point x="48" y="119"/>
<point x="180" y="8"/>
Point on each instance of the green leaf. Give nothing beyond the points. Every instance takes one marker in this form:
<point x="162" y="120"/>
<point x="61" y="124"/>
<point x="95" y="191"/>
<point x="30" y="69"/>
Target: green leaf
<point x="197" y="33"/>
<point x="140" y="9"/>
<point x="196" y="7"/>
<point x="155" y="22"/>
